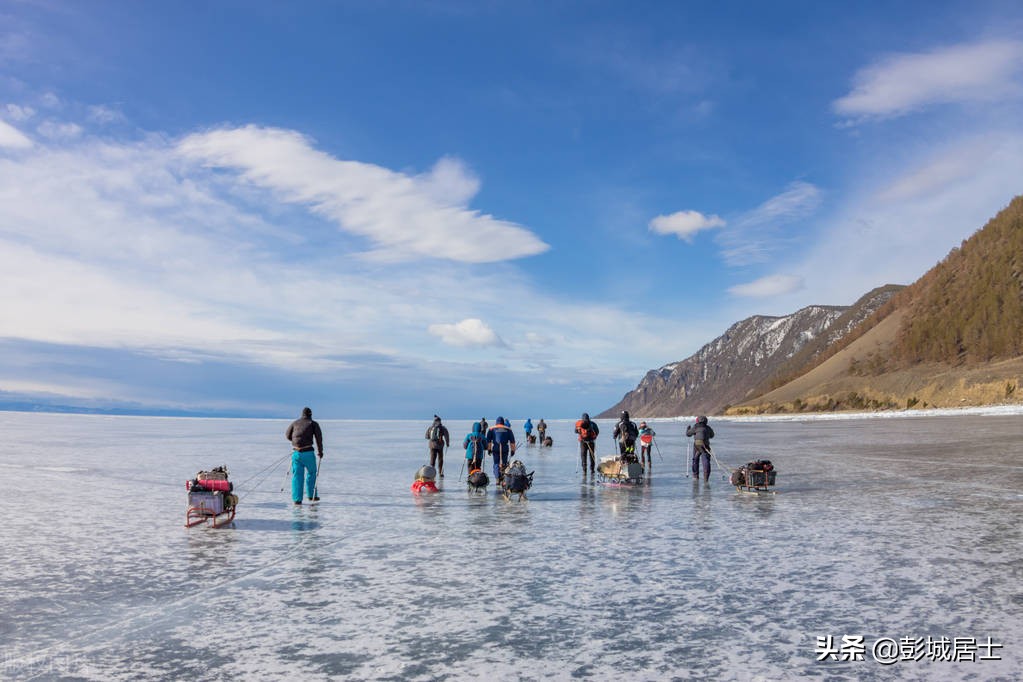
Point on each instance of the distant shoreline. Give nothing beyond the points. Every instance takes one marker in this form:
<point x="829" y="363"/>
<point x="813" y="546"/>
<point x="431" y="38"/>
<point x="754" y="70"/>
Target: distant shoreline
<point x="984" y="410"/>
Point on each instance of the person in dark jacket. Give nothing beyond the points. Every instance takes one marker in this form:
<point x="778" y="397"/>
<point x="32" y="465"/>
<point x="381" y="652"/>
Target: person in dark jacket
<point x="439" y="439"/>
<point x="501" y="443"/>
<point x="588" y="432"/>
<point x="541" y="430"/>
<point x="701" y="432"/>
<point x="484" y="426"/>
<point x="302" y="433"/>
<point x="626" y="433"/>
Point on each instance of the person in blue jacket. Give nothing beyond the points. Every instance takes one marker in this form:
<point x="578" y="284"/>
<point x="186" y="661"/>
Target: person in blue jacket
<point x="501" y="443"/>
<point x="475" y="445"/>
<point x="528" y="428"/>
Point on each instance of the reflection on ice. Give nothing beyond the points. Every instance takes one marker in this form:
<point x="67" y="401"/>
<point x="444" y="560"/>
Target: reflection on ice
<point x="881" y="528"/>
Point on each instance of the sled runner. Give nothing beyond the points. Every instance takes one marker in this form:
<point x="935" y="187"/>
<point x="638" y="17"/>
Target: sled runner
<point x="210" y="499"/>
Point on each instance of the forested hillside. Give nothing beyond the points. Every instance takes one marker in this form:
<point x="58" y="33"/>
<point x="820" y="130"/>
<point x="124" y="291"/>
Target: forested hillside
<point x="968" y="308"/>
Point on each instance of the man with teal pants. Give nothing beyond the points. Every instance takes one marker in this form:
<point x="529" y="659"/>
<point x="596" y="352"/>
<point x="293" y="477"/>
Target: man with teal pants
<point x="302" y="433"/>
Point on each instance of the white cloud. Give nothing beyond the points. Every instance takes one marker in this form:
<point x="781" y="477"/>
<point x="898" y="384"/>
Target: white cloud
<point x="797" y="201"/>
<point x="469" y="332"/>
<point x="903" y="83"/>
<point x="57" y="130"/>
<point x="104" y="114"/>
<point x="13" y="138"/>
<point x="450" y="181"/>
<point x="16" y="112"/>
<point x="772" y="285"/>
<point x="891" y="230"/>
<point x="755" y="236"/>
<point x="939" y="172"/>
<point x="684" y="224"/>
<point x="405" y="217"/>
<point x="134" y="246"/>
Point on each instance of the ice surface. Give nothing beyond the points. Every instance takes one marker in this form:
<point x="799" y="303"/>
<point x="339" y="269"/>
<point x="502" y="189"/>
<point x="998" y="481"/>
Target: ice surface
<point x="881" y="527"/>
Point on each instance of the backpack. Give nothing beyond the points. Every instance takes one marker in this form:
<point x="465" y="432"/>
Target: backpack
<point x="437" y="434"/>
<point x="586" y="431"/>
<point x="476" y="446"/>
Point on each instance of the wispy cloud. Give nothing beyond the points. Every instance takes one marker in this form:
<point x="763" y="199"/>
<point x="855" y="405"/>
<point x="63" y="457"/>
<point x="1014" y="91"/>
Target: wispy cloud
<point x="13" y="138"/>
<point x="893" y="229"/>
<point x="18" y="113"/>
<point x="469" y="332"/>
<point x="104" y="114"/>
<point x="57" y="130"/>
<point x="403" y="216"/>
<point x="146" y="247"/>
<point x="771" y="285"/>
<point x="902" y="83"/>
<point x="755" y="236"/>
<point x="685" y="224"/>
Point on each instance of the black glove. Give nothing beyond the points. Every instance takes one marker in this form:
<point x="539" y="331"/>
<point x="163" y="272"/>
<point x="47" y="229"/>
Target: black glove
<point x="320" y="455"/>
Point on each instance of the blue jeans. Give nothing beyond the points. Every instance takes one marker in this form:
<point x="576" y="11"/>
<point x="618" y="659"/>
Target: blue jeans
<point x="303" y="465"/>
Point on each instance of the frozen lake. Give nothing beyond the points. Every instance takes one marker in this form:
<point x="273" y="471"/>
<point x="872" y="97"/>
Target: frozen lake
<point x="881" y="528"/>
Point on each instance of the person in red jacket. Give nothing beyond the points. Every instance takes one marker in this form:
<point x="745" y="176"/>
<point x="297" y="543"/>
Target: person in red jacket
<point x="588" y="432"/>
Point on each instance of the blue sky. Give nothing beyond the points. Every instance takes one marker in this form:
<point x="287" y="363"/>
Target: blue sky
<point x="396" y="209"/>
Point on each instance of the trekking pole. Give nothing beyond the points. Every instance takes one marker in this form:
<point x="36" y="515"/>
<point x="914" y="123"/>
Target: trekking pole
<point x="689" y="458"/>
<point x="316" y="486"/>
<point x="287" y="476"/>
<point x="654" y="441"/>
<point x="460" y="470"/>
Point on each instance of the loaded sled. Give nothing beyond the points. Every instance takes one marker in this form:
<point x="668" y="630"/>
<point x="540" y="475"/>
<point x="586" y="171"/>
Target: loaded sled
<point x="516" y="481"/>
<point x="425" y="480"/>
<point x="622" y="470"/>
<point x="754" y="477"/>
<point x="210" y="499"/>
<point x="477" y="481"/>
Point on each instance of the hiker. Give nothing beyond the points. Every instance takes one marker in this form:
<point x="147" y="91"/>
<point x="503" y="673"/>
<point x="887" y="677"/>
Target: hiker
<point x="484" y="426"/>
<point x="646" y="443"/>
<point x="302" y="433"/>
<point x="701" y="433"/>
<point x="475" y="445"/>
<point x="626" y="433"/>
<point x="501" y="443"/>
<point x="541" y="430"/>
<point x="439" y="439"/>
<point x="528" y="428"/>
<point x="588" y="431"/>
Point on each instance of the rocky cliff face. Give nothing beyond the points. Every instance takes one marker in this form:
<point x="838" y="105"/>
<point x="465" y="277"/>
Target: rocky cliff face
<point x="746" y="356"/>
